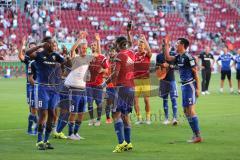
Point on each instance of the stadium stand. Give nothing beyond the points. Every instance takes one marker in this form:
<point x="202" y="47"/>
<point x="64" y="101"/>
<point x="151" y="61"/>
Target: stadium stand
<point x="204" y="22"/>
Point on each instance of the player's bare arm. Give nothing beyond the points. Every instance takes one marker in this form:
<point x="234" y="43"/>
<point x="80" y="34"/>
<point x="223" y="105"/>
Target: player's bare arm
<point x="196" y="77"/>
<point x="21" y="50"/>
<point x="129" y="36"/>
<point x="213" y="63"/>
<point x="31" y="52"/>
<point x="167" y="48"/>
<point x="31" y="80"/>
<point x="148" y="49"/>
<point x="82" y="36"/>
<point x="98" y="40"/>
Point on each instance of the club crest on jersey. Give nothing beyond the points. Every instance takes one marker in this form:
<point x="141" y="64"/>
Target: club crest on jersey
<point x="182" y="60"/>
<point x="54" y="57"/>
<point x="192" y="62"/>
<point x="44" y="58"/>
<point x="130" y="61"/>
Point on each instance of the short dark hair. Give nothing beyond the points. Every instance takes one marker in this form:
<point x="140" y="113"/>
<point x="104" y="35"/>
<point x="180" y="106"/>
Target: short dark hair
<point x="184" y="41"/>
<point x="30" y="43"/>
<point x="47" y="39"/>
<point x="121" y="42"/>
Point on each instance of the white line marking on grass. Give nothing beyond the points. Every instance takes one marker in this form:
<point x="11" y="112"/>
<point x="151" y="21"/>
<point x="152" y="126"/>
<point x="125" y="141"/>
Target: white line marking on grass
<point x="213" y="115"/>
<point x="13" y="129"/>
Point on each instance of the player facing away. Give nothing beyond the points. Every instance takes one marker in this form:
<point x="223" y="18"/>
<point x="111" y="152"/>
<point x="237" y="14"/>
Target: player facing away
<point x="207" y="62"/>
<point x="167" y="86"/>
<point x="32" y="118"/>
<point x="237" y="66"/>
<point x="123" y="78"/>
<point x="97" y="68"/>
<point x="46" y="97"/>
<point x="76" y="82"/>
<point x="111" y="88"/>
<point x="225" y="66"/>
<point x="190" y="83"/>
<point x="142" y="78"/>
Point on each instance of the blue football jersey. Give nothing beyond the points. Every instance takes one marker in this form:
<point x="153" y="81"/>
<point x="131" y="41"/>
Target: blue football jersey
<point x="32" y="69"/>
<point x="48" y="69"/>
<point x="160" y="59"/>
<point x="226" y="61"/>
<point x="237" y="61"/>
<point x="185" y="63"/>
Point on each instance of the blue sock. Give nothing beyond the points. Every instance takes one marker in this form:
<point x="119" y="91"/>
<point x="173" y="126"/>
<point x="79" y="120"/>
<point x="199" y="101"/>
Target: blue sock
<point x="58" y="123"/>
<point x="40" y="133"/>
<point x="35" y="119"/>
<point x="47" y="134"/>
<point x="61" y="125"/>
<point x="165" y="107"/>
<point x="90" y="110"/>
<point x="77" y="126"/>
<point x="174" y="107"/>
<point x="190" y="121"/>
<point x="99" y="111"/>
<point x="30" y="121"/>
<point x="118" y="125"/>
<point x="195" y="125"/>
<point x="127" y="133"/>
<point x="108" y="107"/>
<point x="70" y="128"/>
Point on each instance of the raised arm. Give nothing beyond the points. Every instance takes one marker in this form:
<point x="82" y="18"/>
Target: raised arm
<point x="98" y="40"/>
<point x="166" y="48"/>
<point x="31" y="52"/>
<point x="82" y="36"/>
<point x="129" y="36"/>
<point x="148" y="49"/>
<point x="115" y="71"/>
<point x="21" y="50"/>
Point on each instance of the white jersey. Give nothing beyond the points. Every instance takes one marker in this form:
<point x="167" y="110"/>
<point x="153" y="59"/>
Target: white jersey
<point x="78" y="76"/>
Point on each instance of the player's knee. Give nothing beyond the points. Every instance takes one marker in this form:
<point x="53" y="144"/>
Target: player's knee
<point x="116" y="116"/>
<point x="146" y="101"/>
<point x="78" y="122"/>
<point x="126" y="119"/>
<point x="34" y="111"/>
<point x="190" y="111"/>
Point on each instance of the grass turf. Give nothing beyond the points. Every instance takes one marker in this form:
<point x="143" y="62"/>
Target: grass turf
<point x="219" y="116"/>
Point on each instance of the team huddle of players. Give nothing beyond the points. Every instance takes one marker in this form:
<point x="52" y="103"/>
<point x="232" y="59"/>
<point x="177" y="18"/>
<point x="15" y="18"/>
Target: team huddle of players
<point x="74" y="82"/>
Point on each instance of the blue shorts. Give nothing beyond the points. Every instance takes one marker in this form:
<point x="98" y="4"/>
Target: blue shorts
<point x="64" y="98"/>
<point x="30" y="95"/>
<point x="28" y="91"/>
<point x="188" y="94"/>
<point x="111" y="93"/>
<point x="46" y="97"/>
<point x="124" y="100"/>
<point x="94" y="93"/>
<point x="78" y="100"/>
<point x="168" y="87"/>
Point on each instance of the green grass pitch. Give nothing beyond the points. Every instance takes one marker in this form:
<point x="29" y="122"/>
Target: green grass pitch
<point x="219" y="116"/>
